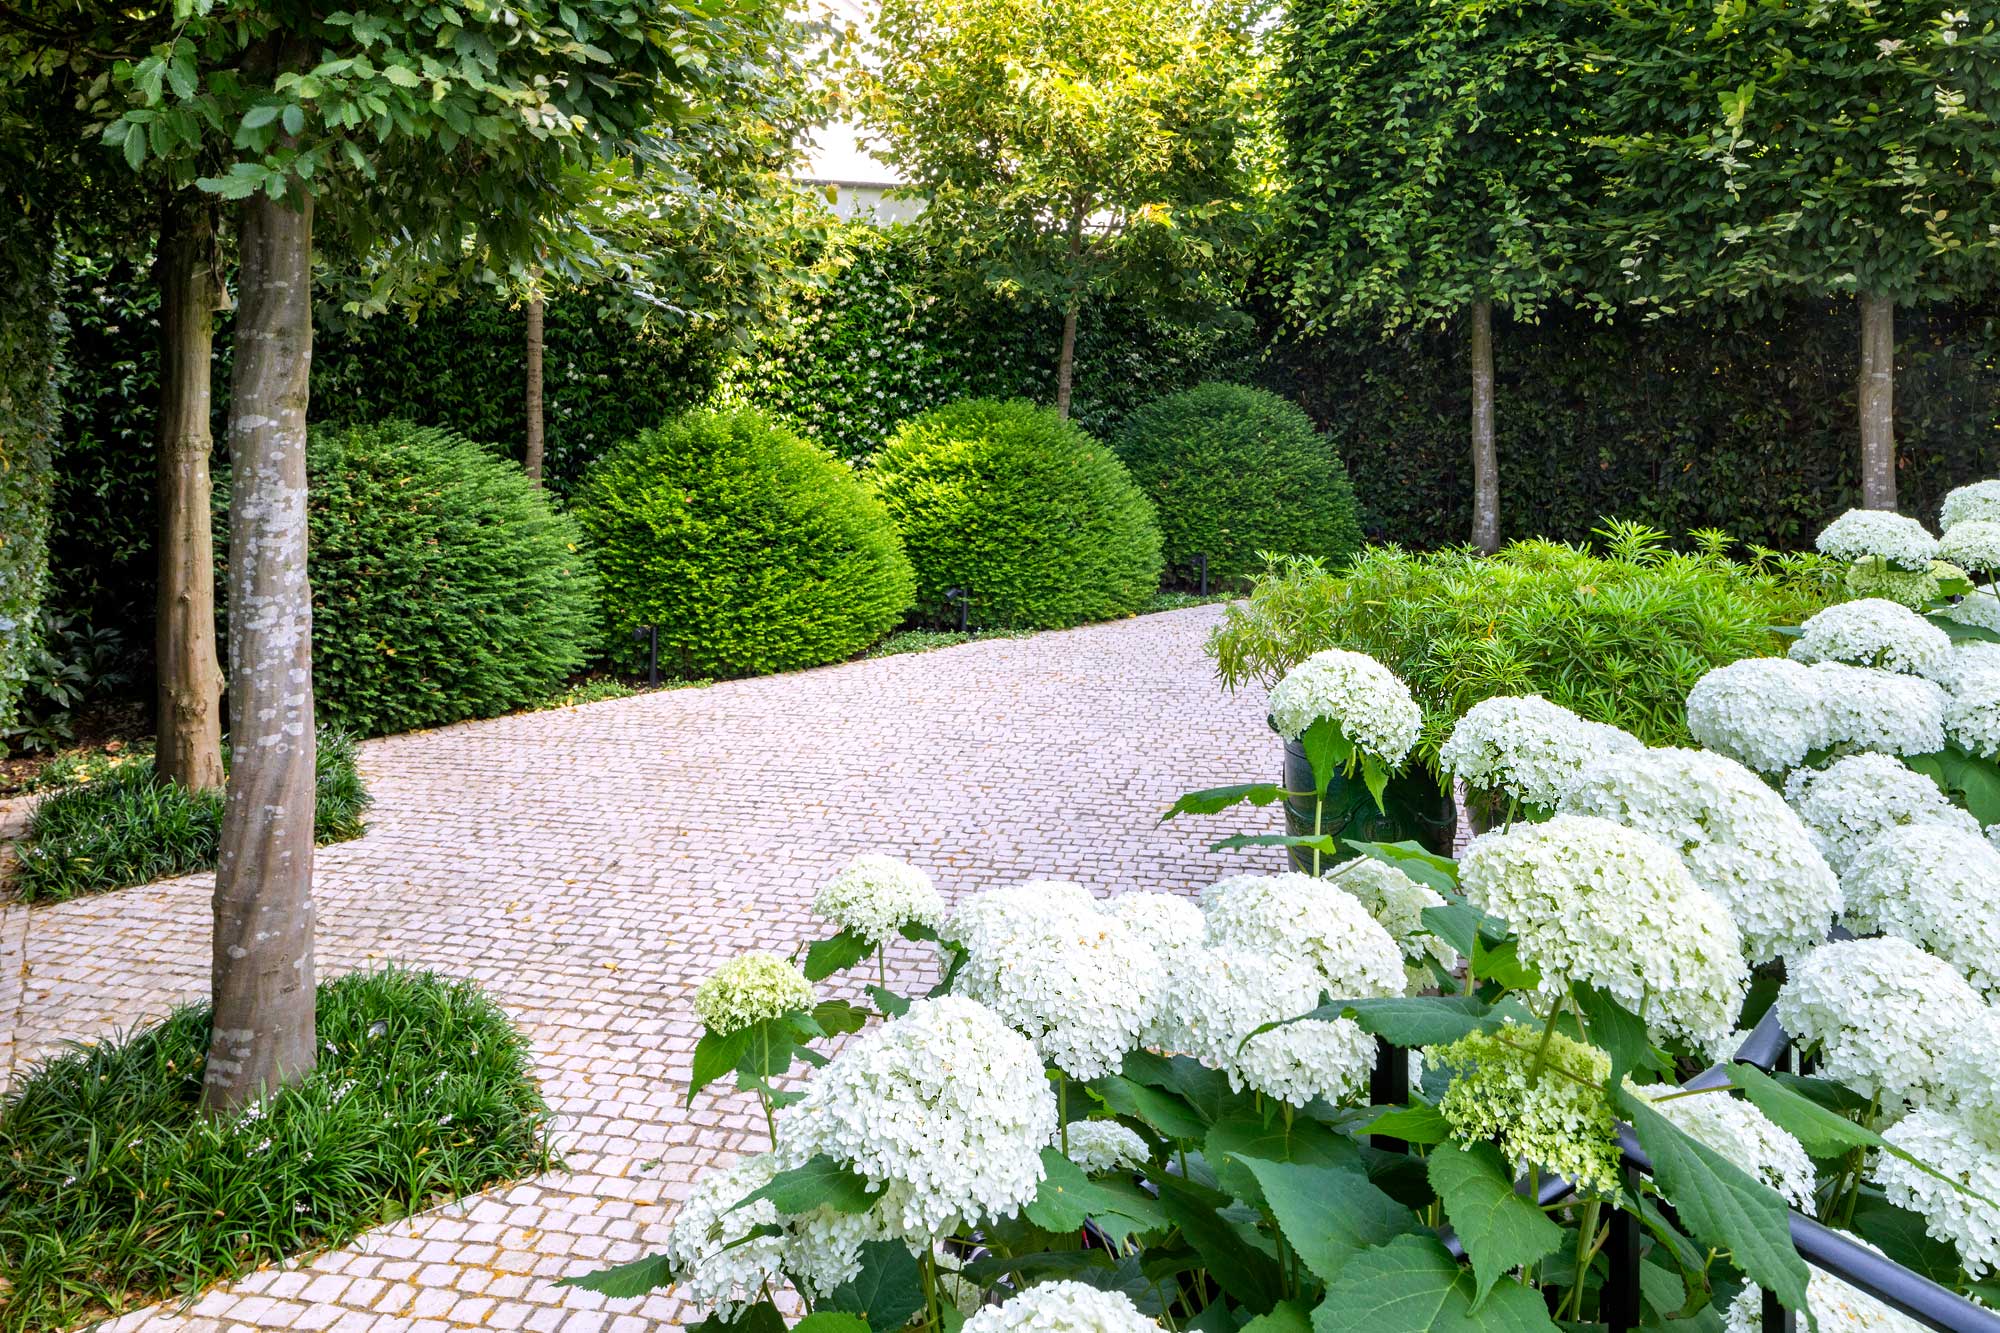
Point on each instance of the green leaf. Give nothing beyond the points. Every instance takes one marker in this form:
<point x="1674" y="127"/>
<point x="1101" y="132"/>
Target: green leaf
<point x="1823" y="1132"/>
<point x="1662" y="1288"/>
<point x="1217" y="799"/>
<point x="821" y="1182"/>
<point x="763" y="1317"/>
<point x="1242" y="1269"/>
<point x="1411" y="1285"/>
<point x="1503" y="963"/>
<point x="1375" y="777"/>
<point x="402" y="76"/>
<point x="1206" y="1090"/>
<point x="1501" y="1230"/>
<point x="1047" y="1263"/>
<point x="1284" y="1317"/>
<point x="1720" y="1203"/>
<point x="1618" y="1031"/>
<point x="715" y="1054"/>
<point x="1419" y="1123"/>
<point x="888" y="1289"/>
<point x="767" y="1050"/>
<point x="257" y="117"/>
<point x="836" y="1017"/>
<point x="294" y="118"/>
<point x="831" y="1321"/>
<point x="1418" y="862"/>
<point x="1905" y="1237"/>
<point x="826" y="957"/>
<point x="891" y="1004"/>
<point x="1456" y="925"/>
<point x="1329" y="1215"/>
<point x="1061" y="1202"/>
<point x="1164" y="1111"/>
<point x="625" y="1281"/>
<point x="1409" y="1020"/>
<point x="1325" y="843"/>
<point x="1328" y="751"/>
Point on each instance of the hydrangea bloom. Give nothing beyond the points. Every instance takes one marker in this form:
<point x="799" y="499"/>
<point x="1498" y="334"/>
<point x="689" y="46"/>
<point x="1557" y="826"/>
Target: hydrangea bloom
<point x="1767" y="712"/>
<point x="1863" y="534"/>
<point x="1062" y="1307"/>
<point x="1526" y="747"/>
<point x="1937" y="887"/>
<point x="1980" y="500"/>
<point x="1372" y="707"/>
<point x="1305" y="920"/>
<point x="1969" y="1070"/>
<point x="946" y="1106"/>
<point x="1736" y="836"/>
<point x="1835" y="1307"/>
<point x="1216" y="997"/>
<point x="823" y="1247"/>
<point x="1972" y="704"/>
<point x="1077" y="981"/>
<point x="1105" y="1145"/>
<point x="719" y="1268"/>
<point x="1980" y="609"/>
<point x="1867" y="709"/>
<point x="1557" y="1121"/>
<point x="1316" y="1057"/>
<point x="1882" y="1012"/>
<point x="751" y="988"/>
<point x="1741" y="1134"/>
<point x="1853" y="801"/>
<point x="1166" y="921"/>
<point x="1872" y="632"/>
<point x="876" y="896"/>
<point x="1915" y="589"/>
<point x="1959" y="1149"/>
<point x="1397" y="903"/>
<point x="1974" y="544"/>
<point x="1594" y="901"/>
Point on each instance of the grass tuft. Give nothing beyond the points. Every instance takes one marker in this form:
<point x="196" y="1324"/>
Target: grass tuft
<point x="115" y="1191"/>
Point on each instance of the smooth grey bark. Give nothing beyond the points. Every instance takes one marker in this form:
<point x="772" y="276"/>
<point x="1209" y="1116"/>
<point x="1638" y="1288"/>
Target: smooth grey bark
<point x="1877" y="401"/>
<point x="188" y="677"/>
<point x="1485" y="453"/>
<point x="262" y="962"/>
<point x="532" y="459"/>
<point x="1066" y="357"/>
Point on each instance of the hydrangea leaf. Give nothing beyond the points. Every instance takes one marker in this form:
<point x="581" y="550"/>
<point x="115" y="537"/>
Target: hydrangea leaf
<point x="1307" y="1142"/>
<point x="1068" y="1198"/>
<point x="888" y="1289"/>
<point x="715" y="1054"/>
<point x="1618" y="1032"/>
<point x="1164" y="1111"/>
<point x="1045" y="1264"/>
<point x="1284" y="1317"/>
<point x="1503" y="963"/>
<point x="1244" y="1271"/>
<point x="763" y="1317"/>
<point x="820" y="1182"/>
<point x="1323" y="842"/>
<point x="828" y="956"/>
<point x="1418" y="862"/>
<point x="831" y="1321"/>
<point x="767" y="1049"/>
<point x="1822" y="1132"/>
<point x="1206" y="1090"/>
<point x="1412" y="1285"/>
<point x="1501" y="1230"/>
<point x="1329" y="1215"/>
<point x="836" y="1017"/>
<point x="1420" y="1123"/>
<point x="1408" y="1020"/>
<point x="1455" y="924"/>
<point x="891" y="1004"/>
<point x="1214" y="800"/>
<point x="1905" y="1238"/>
<point x="625" y="1281"/>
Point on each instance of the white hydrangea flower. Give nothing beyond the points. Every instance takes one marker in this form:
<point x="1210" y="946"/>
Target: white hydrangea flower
<point x="1867" y="709"/>
<point x="1979" y="501"/>
<point x="1853" y="801"/>
<point x="1972" y="703"/>
<point x="1882" y="1012"/>
<point x="1216" y="997"/>
<point x="1397" y="903"/>
<point x="1316" y="1057"/>
<point x="1937" y="887"/>
<point x="1872" y="632"/>
<point x="875" y="896"/>
<point x="1974" y="657"/>
<point x="1373" y="708"/>
<point x="1078" y="982"/>
<point x="1104" y="1145"/>
<point x="719" y="1269"/>
<point x="1767" y="712"/>
<point x="1167" y="921"/>
<point x="1915" y="589"/>
<point x="1526" y="747"/>
<point x="947" y="1107"/>
<point x="1594" y="901"/>
<point x="1973" y="544"/>
<point x="1560" y="1122"/>
<point x="1736" y="836"/>
<point x="1863" y="534"/>
<point x="1834" y="1305"/>
<point x="1741" y="1134"/>
<point x="1956" y="1147"/>
<point x="751" y="988"/>
<point x="1307" y="921"/>
<point x="823" y="1247"/>
<point x="1973" y="1075"/>
<point x="1979" y="609"/>
<point x="1063" y="1307"/>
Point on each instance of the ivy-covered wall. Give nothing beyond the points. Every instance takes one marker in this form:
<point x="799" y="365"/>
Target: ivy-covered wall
<point x="30" y="344"/>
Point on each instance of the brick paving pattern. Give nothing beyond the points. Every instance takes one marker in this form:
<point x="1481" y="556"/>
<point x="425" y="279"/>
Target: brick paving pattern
<point x="591" y="865"/>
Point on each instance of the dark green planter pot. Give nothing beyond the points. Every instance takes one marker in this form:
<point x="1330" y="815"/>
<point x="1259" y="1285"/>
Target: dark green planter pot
<point x="1416" y="811"/>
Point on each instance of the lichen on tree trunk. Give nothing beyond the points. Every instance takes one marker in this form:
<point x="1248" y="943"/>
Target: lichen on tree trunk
<point x="532" y="458"/>
<point x="1877" y="401"/>
<point x="262" y="961"/>
<point x="1485" y="453"/>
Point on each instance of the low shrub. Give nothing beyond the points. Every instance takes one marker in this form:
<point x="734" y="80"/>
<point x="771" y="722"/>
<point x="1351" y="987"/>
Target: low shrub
<point x="751" y="550"/>
<point x="115" y="1190"/>
<point x="116" y="826"/>
<point x="1037" y="521"/>
<point x="1234" y="471"/>
<point x="445" y="585"/>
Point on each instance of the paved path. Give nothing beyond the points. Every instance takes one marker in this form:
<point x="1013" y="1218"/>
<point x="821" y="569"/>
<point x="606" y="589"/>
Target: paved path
<point x="591" y="865"/>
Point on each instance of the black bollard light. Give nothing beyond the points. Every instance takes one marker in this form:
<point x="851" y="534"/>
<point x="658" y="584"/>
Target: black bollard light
<point x="964" y="603"/>
<point x="651" y="634"/>
<point x="1201" y="563"/>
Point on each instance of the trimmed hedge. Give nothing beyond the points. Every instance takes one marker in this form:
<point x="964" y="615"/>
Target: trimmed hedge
<point x="445" y="584"/>
<point x="1040" y="523"/>
<point x="1233" y="471"/>
<point x="751" y="550"/>
<point x="30" y="345"/>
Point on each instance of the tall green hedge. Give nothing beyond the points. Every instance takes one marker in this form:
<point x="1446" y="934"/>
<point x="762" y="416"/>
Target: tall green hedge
<point x="30" y="343"/>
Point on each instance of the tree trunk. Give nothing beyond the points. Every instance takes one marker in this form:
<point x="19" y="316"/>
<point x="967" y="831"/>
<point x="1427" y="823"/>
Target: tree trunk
<point x="262" y="962"/>
<point x="1878" y="402"/>
<point x="1066" y="363"/>
<point x="532" y="460"/>
<point x="189" y="698"/>
<point x="1079" y="213"/>
<point x="1485" y="455"/>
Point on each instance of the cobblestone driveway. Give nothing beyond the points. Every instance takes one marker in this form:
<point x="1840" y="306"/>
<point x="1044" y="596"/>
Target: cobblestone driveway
<point x="591" y="865"/>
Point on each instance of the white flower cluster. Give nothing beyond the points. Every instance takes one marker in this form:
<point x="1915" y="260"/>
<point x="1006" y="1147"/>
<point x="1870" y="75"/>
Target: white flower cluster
<point x="1915" y="589"/>
<point x="875" y="896"/>
<point x="1737" y="837"/>
<point x="750" y="988"/>
<point x="1315" y="1057"/>
<point x="1877" y="534"/>
<point x="1105" y="1145"/>
<point x="1972" y="698"/>
<point x="1079" y="982"/>
<point x="1372" y="708"/>
<point x="1555" y="1117"/>
<point x="946" y="1106"/>
<point x="1882" y="1012"/>
<point x="1977" y="502"/>
<point x="1870" y="709"/>
<point x="1166" y="921"/>
<point x="720" y="1266"/>
<point x="1974" y="544"/>
<point x="1980" y="609"/>
<point x="1835" y="1307"/>
<point x="1741" y="1134"/>
<point x="1527" y="747"/>
<point x="1971" y="1158"/>
<point x="1762" y="711"/>
<point x="1594" y="901"/>
<point x="1936" y="886"/>
<point x="1303" y="920"/>
<point x="1397" y="903"/>
<point x="1218" y="996"/>
<point x="1063" y="1307"/>
<point x="1853" y="801"/>
<point x="1873" y="632"/>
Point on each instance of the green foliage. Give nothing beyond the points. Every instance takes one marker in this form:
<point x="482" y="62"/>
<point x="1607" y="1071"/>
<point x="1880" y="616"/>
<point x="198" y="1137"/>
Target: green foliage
<point x="1041" y="525"/>
<point x="1618" y="636"/>
<point x="445" y="586"/>
<point x="751" y="550"/>
<point x="1234" y="472"/>
<point x="115" y="826"/>
<point x="30" y="339"/>
<point x="116" y="1191"/>
<point x="70" y="665"/>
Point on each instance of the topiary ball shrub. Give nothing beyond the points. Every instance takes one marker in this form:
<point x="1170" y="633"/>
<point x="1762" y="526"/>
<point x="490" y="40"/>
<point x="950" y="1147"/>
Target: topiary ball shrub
<point x="1233" y="471"/>
<point x="751" y="550"/>
<point x="1038" y="522"/>
<point x="445" y="583"/>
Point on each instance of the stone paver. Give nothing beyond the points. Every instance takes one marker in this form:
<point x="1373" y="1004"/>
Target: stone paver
<point x="591" y="865"/>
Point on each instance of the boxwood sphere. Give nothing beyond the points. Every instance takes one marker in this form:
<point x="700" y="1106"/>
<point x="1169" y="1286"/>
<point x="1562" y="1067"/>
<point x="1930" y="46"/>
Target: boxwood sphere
<point x="1233" y="471"/>
<point x="751" y="550"/>
<point x="445" y="584"/>
<point x="1039" y="522"/>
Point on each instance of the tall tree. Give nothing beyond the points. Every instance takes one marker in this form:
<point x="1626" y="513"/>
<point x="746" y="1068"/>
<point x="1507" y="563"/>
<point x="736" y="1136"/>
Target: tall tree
<point x="1765" y="148"/>
<point x="1435" y="173"/>
<point x="1067" y="148"/>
